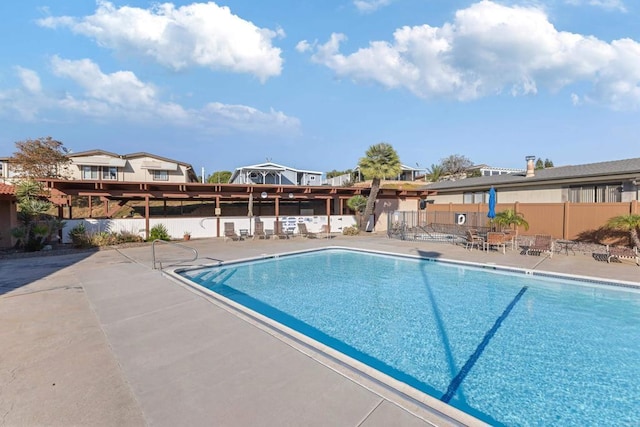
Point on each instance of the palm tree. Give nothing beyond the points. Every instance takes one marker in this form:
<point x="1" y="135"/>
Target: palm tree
<point x="509" y="218"/>
<point x="435" y="172"/>
<point x="630" y="223"/>
<point x="357" y="204"/>
<point x="380" y="161"/>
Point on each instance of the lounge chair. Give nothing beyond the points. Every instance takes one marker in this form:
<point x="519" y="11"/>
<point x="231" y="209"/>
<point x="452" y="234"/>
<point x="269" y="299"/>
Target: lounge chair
<point x="258" y="230"/>
<point x="622" y="252"/>
<point x="541" y="243"/>
<point x="302" y="229"/>
<point x="279" y="232"/>
<point x="473" y="239"/>
<point x="230" y="232"/>
<point x="325" y="232"/>
<point x="497" y="240"/>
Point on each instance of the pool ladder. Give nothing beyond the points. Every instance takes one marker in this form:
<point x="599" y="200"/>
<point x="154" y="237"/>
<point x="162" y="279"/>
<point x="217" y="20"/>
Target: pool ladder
<point x="179" y="245"/>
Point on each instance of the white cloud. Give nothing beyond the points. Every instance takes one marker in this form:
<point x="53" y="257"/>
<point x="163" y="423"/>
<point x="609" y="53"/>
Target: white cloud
<point x="30" y="79"/>
<point x="605" y="4"/>
<point x="367" y="6"/>
<point x="303" y="46"/>
<point x="122" y="97"/>
<point x="247" y="119"/>
<point x="490" y="49"/>
<point x="199" y="34"/>
<point x="122" y="88"/>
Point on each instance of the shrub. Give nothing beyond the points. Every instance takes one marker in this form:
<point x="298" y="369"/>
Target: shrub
<point x="159" y="232"/>
<point x="104" y="238"/>
<point x="79" y="236"/>
<point x="351" y="231"/>
<point x="129" y="237"/>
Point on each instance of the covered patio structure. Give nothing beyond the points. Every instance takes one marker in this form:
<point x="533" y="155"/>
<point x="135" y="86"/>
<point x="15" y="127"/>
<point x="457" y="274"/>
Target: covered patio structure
<point x="227" y="199"/>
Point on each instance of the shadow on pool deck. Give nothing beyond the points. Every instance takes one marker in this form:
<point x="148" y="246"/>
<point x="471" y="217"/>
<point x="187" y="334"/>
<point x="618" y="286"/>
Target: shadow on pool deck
<point x="126" y="345"/>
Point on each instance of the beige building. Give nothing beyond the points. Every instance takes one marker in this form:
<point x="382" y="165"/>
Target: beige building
<point x="99" y="165"/>
<point x="604" y="182"/>
<point x="8" y="174"/>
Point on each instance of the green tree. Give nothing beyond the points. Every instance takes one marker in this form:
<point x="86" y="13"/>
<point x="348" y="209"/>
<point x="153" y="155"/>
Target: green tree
<point x="221" y="177"/>
<point x="434" y="173"/>
<point x="334" y="173"/>
<point x="543" y="164"/>
<point x="509" y="218"/>
<point x="629" y="223"/>
<point x="357" y="203"/>
<point x="380" y="161"/>
<point x="41" y="158"/>
<point x="35" y="225"/>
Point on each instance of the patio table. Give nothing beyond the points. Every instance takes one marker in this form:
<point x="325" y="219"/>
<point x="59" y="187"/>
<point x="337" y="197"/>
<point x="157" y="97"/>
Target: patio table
<point x="566" y="245"/>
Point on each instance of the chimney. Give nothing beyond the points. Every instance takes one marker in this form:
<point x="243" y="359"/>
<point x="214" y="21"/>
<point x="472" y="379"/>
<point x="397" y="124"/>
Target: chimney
<point x="530" y="166"/>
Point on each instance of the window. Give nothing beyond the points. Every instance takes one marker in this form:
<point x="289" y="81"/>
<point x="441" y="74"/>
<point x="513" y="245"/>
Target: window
<point x="312" y="178"/>
<point x="110" y="173"/>
<point x="89" y="172"/>
<point x="478" y="197"/>
<point x="603" y="193"/>
<point x="160" y="175"/>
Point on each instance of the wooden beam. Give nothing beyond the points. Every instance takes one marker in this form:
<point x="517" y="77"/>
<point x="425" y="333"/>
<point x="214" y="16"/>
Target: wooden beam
<point x="146" y="218"/>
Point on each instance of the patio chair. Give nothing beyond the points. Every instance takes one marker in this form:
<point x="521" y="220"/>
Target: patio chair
<point x="230" y="232"/>
<point x="279" y="231"/>
<point x="325" y="232"/>
<point x="541" y="243"/>
<point x="302" y="228"/>
<point x="496" y="240"/>
<point x="473" y="239"/>
<point x="258" y="230"/>
<point x="509" y="237"/>
<point x="622" y="252"/>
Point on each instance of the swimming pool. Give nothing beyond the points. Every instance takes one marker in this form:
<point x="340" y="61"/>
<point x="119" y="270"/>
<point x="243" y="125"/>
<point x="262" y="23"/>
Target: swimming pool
<point x="506" y="347"/>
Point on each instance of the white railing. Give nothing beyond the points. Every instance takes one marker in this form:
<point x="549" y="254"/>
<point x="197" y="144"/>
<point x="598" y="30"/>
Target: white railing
<point x="178" y="245"/>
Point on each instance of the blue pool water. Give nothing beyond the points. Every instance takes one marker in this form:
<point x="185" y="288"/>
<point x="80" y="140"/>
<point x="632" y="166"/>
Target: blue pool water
<point x="508" y="348"/>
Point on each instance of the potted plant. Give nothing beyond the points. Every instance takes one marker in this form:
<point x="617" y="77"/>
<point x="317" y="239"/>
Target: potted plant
<point x="510" y="218"/>
<point x="187" y="235"/>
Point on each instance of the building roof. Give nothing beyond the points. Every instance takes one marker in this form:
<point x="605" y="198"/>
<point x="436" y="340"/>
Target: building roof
<point x="97" y="153"/>
<point x="616" y="169"/>
<point x="7" y="189"/>
<point x="267" y="167"/>
<point x="276" y="167"/>
<point x="93" y="153"/>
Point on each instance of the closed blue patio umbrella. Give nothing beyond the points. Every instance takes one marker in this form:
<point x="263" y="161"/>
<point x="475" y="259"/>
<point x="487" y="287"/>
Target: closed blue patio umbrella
<point x="492" y="204"/>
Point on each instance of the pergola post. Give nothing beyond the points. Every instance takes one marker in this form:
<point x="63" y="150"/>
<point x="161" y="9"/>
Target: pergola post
<point x="328" y="203"/>
<point x="146" y="217"/>
<point x="217" y="212"/>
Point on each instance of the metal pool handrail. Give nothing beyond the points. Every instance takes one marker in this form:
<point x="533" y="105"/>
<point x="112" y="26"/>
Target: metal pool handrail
<point x="153" y="252"/>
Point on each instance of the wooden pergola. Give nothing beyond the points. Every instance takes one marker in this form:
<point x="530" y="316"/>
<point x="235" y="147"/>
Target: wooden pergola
<point x="116" y="193"/>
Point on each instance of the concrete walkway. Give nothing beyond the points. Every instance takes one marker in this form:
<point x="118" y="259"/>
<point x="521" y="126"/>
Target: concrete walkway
<point x="103" y="339"/>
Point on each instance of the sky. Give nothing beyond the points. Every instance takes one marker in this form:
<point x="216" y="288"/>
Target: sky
<point x="313" y="84"/>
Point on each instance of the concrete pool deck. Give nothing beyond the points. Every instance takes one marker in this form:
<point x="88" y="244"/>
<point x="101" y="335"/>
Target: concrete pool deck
<point x="100" y="338"/>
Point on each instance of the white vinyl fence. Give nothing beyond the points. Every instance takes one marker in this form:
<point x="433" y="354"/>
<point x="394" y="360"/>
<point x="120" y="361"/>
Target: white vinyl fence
<point x="205" y="226"/>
